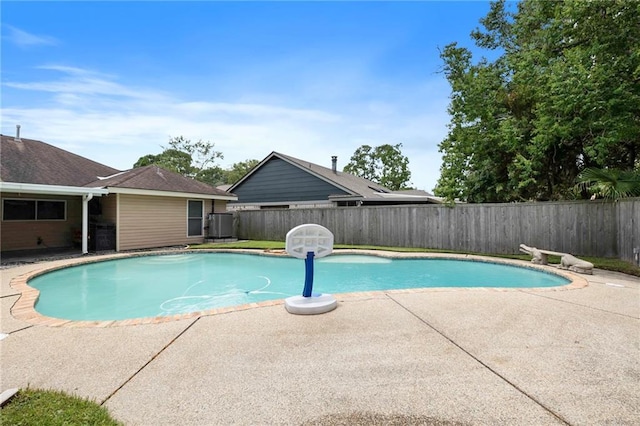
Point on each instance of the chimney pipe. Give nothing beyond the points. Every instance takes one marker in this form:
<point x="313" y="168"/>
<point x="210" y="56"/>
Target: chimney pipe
<point x="334" y="163"/>
<point x="17" y="139"/>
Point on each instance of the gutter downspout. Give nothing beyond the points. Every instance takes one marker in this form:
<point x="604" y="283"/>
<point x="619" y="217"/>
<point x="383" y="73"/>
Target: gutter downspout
<point x="85" y="222"/>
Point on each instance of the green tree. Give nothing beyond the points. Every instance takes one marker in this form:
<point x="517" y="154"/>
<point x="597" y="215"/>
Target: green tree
<point x="611" y="184"/>
<point x="195" y="160"/>
<point x="383" y="164"/>
<point x="238" y="170"/>
<point x="170" y="159"/>
<point x="213" y="176"/>
<point x="562" y="96"/>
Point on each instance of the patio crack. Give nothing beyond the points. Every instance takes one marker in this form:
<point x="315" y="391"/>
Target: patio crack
<point x="19" y="329"/>
<point x="580" y="305"/>
<point x="6" y="296"/>
<point x="485" y="365"/>
<point x="104" y="401"/>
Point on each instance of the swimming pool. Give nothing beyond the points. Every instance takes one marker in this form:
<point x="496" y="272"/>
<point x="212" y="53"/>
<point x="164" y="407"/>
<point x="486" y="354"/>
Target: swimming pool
<point x="166" y="285"/>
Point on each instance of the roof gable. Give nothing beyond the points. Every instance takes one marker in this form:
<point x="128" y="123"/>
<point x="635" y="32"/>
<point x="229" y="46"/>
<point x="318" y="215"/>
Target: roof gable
<point x="346" y="183"/>
<point x="277" y="180"/>
<point x="349" y="187"/>
<point x="351" y="183"/>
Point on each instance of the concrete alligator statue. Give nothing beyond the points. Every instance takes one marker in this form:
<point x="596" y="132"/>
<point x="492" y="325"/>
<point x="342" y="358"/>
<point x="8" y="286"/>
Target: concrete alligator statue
<point x="567" y="261"/>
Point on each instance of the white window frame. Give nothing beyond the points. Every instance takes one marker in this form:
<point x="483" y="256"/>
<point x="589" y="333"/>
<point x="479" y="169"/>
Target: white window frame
<point x="189" y="218"/>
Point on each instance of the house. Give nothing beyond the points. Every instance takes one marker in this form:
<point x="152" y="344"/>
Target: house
<point x="52" y="198"/>
<point x="282" y="181"/>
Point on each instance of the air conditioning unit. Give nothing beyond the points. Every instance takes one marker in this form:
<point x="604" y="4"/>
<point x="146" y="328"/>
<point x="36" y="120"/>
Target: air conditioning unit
<point x="220" y="225"/>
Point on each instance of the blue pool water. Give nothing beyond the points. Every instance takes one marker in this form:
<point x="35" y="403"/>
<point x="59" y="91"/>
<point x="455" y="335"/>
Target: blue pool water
<point x="163" y="285"/>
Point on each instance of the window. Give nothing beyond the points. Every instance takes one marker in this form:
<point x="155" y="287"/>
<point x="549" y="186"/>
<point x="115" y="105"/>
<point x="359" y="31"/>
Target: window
<point x="349" y="203"/>
<point x="284" y="206"/>
<point x="23" y="209"/>
<point x="50" y="210"/>
<point x="195" y="208"/>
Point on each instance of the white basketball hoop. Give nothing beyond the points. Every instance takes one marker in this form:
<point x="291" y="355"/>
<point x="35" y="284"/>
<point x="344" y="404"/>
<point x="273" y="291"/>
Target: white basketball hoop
<point x="309" y="238"/>
<point x="307" y="242"/>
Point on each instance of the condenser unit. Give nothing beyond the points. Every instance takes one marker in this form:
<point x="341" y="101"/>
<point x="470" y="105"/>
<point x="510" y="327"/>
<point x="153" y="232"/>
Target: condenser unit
<point x="220" y="225"/>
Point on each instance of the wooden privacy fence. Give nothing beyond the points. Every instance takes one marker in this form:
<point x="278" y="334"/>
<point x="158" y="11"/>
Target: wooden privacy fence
<point x="587" y="228"/>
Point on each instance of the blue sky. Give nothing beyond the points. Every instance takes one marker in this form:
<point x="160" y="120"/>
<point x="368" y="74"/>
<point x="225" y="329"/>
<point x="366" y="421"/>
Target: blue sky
<point x="113" y="81"/>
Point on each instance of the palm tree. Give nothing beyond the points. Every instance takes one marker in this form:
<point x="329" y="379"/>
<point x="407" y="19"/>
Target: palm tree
<point x="610" y="184"/>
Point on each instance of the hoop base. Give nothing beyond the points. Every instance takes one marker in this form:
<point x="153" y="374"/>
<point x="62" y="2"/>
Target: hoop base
<point x="313" y="305"/>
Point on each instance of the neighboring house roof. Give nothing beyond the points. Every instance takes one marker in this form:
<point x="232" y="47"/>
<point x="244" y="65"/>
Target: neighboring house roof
<point x="346" y="181"/>
<point x="29" y="161"/>
<point x="420" y="192"/>
<point x="356" y="188"/>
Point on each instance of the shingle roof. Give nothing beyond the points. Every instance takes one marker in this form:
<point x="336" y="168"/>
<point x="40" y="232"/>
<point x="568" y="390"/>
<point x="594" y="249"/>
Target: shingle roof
<point x="157" y="179"/>
<point x="32" y="161"/>
<point x="36" y="162"/>
<point x="354" y="185"/>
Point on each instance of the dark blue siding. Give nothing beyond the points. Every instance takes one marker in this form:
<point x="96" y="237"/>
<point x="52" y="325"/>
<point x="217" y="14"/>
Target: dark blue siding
<point x="278" y="181"/>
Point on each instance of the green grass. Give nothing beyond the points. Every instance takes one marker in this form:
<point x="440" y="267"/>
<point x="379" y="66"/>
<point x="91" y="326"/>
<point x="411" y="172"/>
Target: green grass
<point x="616" y="265"/>
<point x="279" y="245"/>
<point x="609" y="264"/>
<point x="263" y="245"/>
<point x="598" y="262"/>
<point x="35" y="407"/>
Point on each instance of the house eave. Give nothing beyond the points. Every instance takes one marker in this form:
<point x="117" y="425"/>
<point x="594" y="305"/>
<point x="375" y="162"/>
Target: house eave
<point x="36" y="188"/>
<point x="157" y="193"/>
<point x="350" y="197"/>
<point x="409" y="198"/>
<point x="281" y="203"/>
<point x="388" y="198"/>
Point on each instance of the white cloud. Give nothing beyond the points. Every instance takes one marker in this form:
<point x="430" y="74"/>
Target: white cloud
<point x="254" y="110"/>
<point x="24" y="39"/>
<point x="85" y="82"/>
<point x="93" y="115"/>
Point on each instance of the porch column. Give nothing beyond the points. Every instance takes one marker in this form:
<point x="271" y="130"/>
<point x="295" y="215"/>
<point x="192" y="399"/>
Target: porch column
<point x="85" y="222"/>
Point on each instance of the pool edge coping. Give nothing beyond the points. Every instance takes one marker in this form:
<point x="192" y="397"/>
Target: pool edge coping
<point x="24" y="308"/>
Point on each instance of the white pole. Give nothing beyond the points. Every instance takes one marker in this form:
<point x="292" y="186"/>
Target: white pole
<point x="85" y="222"/>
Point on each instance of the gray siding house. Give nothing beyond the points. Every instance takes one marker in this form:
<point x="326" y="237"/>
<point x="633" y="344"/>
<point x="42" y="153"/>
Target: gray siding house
<point x="282" y="181"/>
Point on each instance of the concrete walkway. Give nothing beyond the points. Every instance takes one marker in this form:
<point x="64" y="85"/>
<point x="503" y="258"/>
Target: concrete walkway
<point x="515" y="357"/>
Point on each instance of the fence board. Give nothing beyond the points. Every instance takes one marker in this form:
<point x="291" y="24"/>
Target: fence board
<point x="629" y="230"/>
<point x="583" y="228"/>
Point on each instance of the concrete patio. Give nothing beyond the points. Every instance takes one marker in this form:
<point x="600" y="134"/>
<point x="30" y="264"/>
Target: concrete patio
<point x="476" y="356"/>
